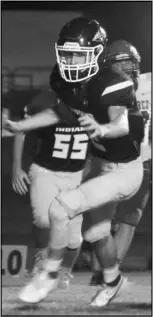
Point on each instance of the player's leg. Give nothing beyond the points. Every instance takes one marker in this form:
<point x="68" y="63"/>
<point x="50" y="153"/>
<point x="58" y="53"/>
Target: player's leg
<point x="117" y="182"/>
<point x="108" y="187"/>
<point x="72" y="254"/>
<point x="74" y="240"/>
<point x="48" y="277"/>
<point x="43" y="190"/>
<point x="92" y="169"/>
<point x="106" y="252"/>
<point x="40" y="237"/>
<point x="129" y="214"/>
<point x="97" y="274"/>
<point x="97" y="230"/>
<point x="94" y="217"/>
<point x="123" y="236"/>
<point x="65" y="234"/>
<point x="73" y="249"/>
<point x="82" y="199"/>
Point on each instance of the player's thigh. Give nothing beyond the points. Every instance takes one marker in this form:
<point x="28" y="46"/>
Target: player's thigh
<point x="120" y="182"/>
<point x="43" y="190"/>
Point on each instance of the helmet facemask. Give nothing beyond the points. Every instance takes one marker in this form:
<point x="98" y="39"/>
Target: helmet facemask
<point x="77" y="63"/>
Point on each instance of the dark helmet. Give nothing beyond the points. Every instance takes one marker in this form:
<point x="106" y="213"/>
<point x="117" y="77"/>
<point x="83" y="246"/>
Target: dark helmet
<point x="81" y="37"/>
<point x="120" y="51"/>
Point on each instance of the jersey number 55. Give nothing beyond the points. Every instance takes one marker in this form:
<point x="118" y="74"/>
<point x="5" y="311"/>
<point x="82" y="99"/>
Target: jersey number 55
<point x="75" y="146"/>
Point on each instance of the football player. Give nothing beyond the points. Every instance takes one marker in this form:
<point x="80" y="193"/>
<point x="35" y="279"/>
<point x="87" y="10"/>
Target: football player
<point x="116" y="129"/>
<point x="119" y="57"/>
<point x="50" y="172"/>
<point x="116" y="147"/>
<point x="63" y="148"/>
<point x="56" y="166"/>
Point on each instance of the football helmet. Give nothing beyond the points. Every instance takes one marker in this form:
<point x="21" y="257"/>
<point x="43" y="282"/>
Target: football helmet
<point x="122" y="50"/>
<point x="79" y="45"/>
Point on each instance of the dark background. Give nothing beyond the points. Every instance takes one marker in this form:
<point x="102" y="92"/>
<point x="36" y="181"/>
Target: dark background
<point x="129" y="20"/>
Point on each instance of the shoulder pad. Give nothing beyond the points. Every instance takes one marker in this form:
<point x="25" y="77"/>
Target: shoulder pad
<point x="117" y="87"/>
<point x="118" y="91"/>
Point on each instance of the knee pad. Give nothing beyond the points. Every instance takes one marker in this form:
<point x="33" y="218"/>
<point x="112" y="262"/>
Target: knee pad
<point x="59" y="225"/>
<point x="72" y="201"/>
<point x="131" y="218"/>
<point x="97" y="232"/>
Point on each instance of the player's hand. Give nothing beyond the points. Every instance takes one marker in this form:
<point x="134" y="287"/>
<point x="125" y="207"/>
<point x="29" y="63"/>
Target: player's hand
<point x="91" y="126"/>
<point x="10" y="126"/>
<point x="20" y="181"/>
<point x="5" y="117"/>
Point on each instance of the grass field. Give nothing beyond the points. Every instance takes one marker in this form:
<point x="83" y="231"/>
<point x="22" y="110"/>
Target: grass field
<point x="135" y="299"/>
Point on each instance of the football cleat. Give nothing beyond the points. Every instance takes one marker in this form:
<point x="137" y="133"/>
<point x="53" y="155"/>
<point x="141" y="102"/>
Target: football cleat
<point x="106" y="294"/>
<point x="39" y="287"/>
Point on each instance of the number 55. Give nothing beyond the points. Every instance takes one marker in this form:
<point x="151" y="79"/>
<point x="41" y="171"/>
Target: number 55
<point x="63" y="143"/>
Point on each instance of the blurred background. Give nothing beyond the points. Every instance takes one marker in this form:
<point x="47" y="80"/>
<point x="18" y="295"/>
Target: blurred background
<point x="29" y="32"/>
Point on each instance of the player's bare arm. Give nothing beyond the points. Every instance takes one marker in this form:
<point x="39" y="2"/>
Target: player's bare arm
<point x="117" y="127"/>
<point x="20" y="179"/>
<point x="43" y="119"/>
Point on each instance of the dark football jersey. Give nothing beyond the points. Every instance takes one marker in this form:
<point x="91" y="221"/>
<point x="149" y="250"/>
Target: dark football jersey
<point x="64" y="146"/>
<point x="104" y="90"/>
<point x="117" y="90"/>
